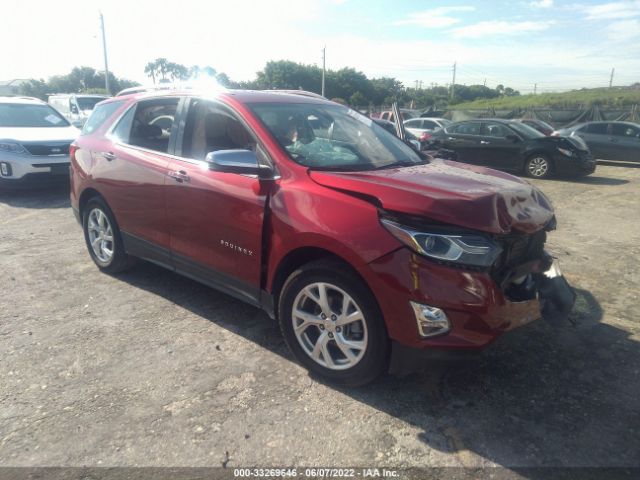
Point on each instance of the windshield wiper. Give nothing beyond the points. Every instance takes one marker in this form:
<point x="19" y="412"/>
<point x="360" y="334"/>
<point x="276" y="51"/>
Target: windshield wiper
<point x="399" y="163"/>
<point x="337" y="168"/>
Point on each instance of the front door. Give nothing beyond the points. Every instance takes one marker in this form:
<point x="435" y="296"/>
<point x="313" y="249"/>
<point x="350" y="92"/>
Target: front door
<point x="215" y="219"/>
<point x="625" y="142"/>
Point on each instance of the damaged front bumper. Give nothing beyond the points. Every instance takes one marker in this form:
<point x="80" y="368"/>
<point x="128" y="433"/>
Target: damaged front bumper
<point x="478" y="308"/>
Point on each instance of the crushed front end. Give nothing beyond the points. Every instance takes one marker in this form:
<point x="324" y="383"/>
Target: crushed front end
<point x="430" y="300"/>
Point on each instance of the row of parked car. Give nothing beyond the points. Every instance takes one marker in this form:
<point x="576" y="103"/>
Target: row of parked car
<point x="528" y="146"/>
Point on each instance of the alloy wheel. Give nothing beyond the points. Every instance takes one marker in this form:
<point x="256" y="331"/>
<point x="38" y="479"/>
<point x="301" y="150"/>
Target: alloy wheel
<point x="329" y="325"/>
<point x="100" y="235"/>
<point x="538" y="166"/>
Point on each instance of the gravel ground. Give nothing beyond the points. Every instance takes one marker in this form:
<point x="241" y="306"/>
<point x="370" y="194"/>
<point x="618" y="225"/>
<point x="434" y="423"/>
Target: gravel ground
<point x="152" y="369"/>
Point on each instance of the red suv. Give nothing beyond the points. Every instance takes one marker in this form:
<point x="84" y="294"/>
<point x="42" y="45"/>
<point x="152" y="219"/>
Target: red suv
<point x="311" y="211"/>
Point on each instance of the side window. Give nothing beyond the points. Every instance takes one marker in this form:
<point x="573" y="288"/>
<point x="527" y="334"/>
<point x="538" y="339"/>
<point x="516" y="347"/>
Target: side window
<point x="597" y="128"/>
<point x="122" y="131"/>
<point x="210" y="127"/>
<point x="99" y="115"/>
<point x="465" y="129"/>
<point x="414" y="123"/>
<point x="624" y="130"/>
<point x="495" y="130"/>
<point x="429" y="124"/>
<point x="152" y="124"/>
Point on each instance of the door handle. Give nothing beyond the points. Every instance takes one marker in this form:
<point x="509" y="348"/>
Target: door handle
<point x="613" y="140"/>
<point x="484" y="142"/>
<point x="109" y="156"/>
<point x="179" y="176"/>
<point x="450" y="138"/>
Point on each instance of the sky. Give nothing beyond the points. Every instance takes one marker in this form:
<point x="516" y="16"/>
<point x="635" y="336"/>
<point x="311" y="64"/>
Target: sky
<point x="555" y="45"/>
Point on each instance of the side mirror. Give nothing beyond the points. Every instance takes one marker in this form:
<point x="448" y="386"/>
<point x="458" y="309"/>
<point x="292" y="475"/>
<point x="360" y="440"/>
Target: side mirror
<point x="243" y="162"/>
<point x="513" y="138"/>
<point x="73" y="108"/>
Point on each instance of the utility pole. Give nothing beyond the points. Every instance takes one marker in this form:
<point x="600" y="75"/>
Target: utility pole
<point x="416" y="84"/>
<point x="104" y="50"/>
<point x="324" y="54"/>
<point x="611" y="79"/>
<point x="453" y="84"/>
<point x="535" y="88"/>
<point x="485" y="82"/>
<point x="420" y="84"/>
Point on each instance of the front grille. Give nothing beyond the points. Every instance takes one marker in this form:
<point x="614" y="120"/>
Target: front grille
<point x="45" y="149"/>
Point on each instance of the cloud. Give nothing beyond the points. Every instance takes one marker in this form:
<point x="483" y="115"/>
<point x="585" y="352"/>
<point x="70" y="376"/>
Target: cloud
<point x="612" y="10"/>
<point x="623" y="30"/>
<point x="542" y="4"/>
<point x="436" y="17"/>
<point x="498" y="27"/>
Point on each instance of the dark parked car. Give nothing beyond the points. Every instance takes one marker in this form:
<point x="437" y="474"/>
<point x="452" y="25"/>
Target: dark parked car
<point x="513" y="146"/>
<point x="311" y="211"/>
<point x="391" y="128"/>
<point x="542" y="127"/>
<point x="608" y="140"/>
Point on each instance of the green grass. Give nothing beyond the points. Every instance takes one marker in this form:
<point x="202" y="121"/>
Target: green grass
<point x="603" y="97"/>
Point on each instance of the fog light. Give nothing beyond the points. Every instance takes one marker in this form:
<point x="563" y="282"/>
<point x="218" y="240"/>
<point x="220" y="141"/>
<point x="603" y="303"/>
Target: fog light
<point x="5" y="169"/>
<point x="431" y="320"/>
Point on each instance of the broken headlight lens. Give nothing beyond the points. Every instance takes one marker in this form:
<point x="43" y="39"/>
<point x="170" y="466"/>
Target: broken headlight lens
<point x="464" y="249"/>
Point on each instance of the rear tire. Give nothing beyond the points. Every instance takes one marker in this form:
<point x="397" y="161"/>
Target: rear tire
<point x="102" y="236"/>
<point x="538" y="166"/>
<point x="345" y="341"/>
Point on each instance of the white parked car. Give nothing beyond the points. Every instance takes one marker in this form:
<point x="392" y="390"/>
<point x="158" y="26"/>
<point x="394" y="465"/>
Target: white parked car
<point x="424" y="127"/>
<point x="34" y="141"/>
<point x="75" y="107"/>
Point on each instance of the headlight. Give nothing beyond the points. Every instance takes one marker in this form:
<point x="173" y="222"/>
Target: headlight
<point x="565" y="151"/>
<point x="465" y="249"/>
<point x="11" y="147"/>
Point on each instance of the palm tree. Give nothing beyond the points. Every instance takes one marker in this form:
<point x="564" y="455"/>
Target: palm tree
<point x="150" y="71"/>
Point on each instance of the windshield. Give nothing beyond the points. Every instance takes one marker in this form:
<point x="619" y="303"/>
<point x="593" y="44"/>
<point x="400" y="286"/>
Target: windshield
<point x="525" y="130"/>
<point x="27" y="115"/>
<point x="87" y="103"/>
<point x="333" y="137"/>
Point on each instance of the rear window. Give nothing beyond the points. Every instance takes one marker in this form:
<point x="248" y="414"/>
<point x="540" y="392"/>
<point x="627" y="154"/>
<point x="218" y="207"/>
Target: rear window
<point x="88" y="103"/>
<point x="100" y="115"/>
<point x="30" y="116"/>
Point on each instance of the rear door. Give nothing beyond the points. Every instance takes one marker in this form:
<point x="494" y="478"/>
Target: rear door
<point x="215" y="219"/>
<point x="132" y="169"/>
<point x="464" y="139"/>
<point x="498" y="151"/>
<point x="625" y="140"/>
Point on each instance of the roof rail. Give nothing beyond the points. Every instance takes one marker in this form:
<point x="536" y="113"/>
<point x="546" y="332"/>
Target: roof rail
<point x="303" y="93"/>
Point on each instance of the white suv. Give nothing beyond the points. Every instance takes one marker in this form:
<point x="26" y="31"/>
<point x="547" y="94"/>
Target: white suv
<point x="34" y="141"/>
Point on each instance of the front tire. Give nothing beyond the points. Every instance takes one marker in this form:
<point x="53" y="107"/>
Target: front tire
<point x="538" y="166"/>
<point x="332" y="324"/>
<point x="102" y="236"/>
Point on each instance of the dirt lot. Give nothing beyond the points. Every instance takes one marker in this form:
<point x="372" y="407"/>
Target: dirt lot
<point x="149" y="368"/>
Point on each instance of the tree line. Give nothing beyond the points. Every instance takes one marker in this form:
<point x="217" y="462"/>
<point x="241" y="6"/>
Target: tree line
<point x="79" y="80"/>
<point x="346" y="85"/>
